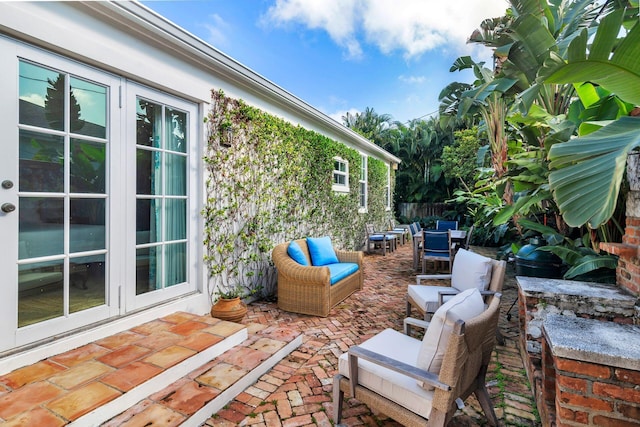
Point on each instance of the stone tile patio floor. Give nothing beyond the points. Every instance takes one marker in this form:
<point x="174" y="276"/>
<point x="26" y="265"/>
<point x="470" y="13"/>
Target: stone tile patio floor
<point x="297" y="391"/>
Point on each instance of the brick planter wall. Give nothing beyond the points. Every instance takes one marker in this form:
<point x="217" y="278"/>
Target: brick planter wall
<point x="541" y="298"/>
<point x="590" y="382"/>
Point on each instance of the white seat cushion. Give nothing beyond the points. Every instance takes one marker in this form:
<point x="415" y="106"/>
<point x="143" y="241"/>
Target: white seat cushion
<point x="427" y="296"/>
<point x="470" y="270"/>
<point x="395" y="386"/>
<point x="466" y="305"/>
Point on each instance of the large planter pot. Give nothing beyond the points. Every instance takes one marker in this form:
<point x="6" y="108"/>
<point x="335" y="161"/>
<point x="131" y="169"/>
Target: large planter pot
<point x="232" y="310"/>
<point x="530" y="262"/>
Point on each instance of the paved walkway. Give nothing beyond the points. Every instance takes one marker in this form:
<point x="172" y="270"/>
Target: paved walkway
<point x="297" y="391"/>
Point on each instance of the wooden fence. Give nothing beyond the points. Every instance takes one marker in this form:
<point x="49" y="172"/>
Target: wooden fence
<point x="421" y="210"/>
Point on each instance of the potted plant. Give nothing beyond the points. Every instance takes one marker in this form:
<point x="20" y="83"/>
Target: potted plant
<point x="228" y="304"/>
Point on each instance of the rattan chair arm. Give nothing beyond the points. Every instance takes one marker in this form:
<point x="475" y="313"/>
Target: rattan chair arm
<point x="350" y="256"/>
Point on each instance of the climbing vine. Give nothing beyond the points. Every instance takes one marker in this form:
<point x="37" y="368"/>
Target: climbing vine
<point x="269" y="181"/>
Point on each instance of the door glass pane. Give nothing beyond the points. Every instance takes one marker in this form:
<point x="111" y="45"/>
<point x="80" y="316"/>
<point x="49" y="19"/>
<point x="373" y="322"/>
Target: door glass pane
<point x="148" y="164"/>
<point x="87" y="166"/>
<point x="148" y="221"/>
<point x="87" y="225"/>
<point x="176" y="132"/>
<point x="148" y="269"/>
<point x="40" y="292"/>
<point x="88" y="108"/>
<point x="176" y="221"/>
<point x="41" y="229"/>
<point x="176" y="264"/>
<point x="42" y="93"/>
<point x="87" y="277"/>
<point x="161" y="205"/>
<point x="148" y="123"/>
<point x="176" y="168"/>
<point x="41" y="162"/>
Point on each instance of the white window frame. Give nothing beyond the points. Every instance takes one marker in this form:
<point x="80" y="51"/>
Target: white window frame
<point x="341" y="188"/>
<point x="363" y="187"/>
<point x="388" y="190"/>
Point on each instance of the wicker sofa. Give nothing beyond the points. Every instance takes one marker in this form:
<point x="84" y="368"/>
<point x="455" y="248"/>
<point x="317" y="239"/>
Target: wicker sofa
<point x="308" y="289"/>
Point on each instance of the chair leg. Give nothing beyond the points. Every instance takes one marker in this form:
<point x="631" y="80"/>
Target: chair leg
<point x="338" y="397"/>
<point x="482" y="394"/>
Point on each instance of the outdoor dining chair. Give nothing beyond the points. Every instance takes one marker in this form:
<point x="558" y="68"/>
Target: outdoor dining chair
<point x="443" y="225"/>
<point x="436" y="247"/>
<point x="469" y="270"/>
<point x="379" y="240"/>
<point x="424" y="382"/>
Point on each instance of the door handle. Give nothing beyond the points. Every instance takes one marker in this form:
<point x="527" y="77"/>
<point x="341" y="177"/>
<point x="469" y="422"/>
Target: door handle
<point x="8" y="207"/>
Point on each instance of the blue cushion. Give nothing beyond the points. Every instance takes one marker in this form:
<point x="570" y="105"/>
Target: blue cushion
<point x="378" y="237"/>
<point x="341" y="270"/>
<point x="321" y="251"/>
<point x="297" y="254"/>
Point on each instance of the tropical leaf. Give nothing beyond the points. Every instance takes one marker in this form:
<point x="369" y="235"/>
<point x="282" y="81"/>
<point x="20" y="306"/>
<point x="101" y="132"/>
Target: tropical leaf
<point x="618" y="73"/>
<point x="591" y="263"/>
<point x="589" y="171"/>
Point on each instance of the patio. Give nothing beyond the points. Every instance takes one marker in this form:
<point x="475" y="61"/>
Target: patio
<point x="276" y="371"/>
<point x="297" y="391"/>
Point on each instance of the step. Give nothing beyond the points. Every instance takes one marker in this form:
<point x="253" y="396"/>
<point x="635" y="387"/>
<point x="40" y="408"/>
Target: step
<point x="94" y="383"/>
<point x="192" y="400"/>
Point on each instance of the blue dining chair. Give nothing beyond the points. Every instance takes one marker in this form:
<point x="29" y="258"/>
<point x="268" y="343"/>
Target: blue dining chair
<point x="443" y="225"/>
<point x="436" y="247"/>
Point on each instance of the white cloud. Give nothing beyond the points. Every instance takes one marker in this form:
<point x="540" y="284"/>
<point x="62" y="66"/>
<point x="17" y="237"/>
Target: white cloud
<point x="217" y="30"/>
<point x="34" y="98"/>
<point x="337" y="17"/>
<point x="411" y="26"/>
<point x="337" y="115"/>
<point x="412" y="79"/>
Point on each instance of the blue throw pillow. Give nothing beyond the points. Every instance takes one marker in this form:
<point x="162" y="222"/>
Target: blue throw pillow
<point x="321" y="251"/>
<point x="296" y="253"/>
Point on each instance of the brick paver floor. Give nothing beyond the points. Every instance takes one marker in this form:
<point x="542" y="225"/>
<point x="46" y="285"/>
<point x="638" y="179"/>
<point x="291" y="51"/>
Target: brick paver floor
<point x="297" y="391"/>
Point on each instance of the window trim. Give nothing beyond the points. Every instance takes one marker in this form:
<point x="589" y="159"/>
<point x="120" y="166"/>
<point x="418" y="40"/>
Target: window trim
<point x="388" y="189"/>
<point x="364" y="179"/>
<point x="340" y="188"/>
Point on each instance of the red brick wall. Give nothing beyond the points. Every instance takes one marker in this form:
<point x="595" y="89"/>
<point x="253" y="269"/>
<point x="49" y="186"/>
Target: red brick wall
<point x="589" y="394"/>
<point x="628" y="271"/>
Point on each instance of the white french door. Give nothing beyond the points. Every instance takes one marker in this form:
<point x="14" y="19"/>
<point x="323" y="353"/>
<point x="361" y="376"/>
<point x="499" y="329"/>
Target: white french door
<point x="162" y="163"/>
<point x="95" y="196"/>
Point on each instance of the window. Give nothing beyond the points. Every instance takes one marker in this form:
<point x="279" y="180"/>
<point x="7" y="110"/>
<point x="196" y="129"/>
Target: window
<point x="363" y="183"/>
<point x="340" y="175"/>
<point x="387" y="192"/>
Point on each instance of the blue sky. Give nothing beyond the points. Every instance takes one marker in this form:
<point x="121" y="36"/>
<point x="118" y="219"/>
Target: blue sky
<point x="344" y="55"/>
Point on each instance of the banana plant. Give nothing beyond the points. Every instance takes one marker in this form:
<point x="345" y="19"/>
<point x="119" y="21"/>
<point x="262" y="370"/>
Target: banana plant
<point x="587" y="171"/>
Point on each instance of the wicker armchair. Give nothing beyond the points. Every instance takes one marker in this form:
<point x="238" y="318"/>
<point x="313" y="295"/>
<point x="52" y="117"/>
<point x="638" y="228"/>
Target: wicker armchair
<point x="308" y="289"/>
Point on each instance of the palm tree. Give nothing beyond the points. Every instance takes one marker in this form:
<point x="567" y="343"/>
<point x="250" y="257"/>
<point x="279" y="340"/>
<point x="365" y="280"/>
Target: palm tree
<point x="370" y="124"/>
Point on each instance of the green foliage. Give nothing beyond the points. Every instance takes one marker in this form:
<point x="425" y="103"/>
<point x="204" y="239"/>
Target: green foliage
<point x="269" y="181"/>
<point x="576" y="254"/>
<point x="483" y="205"/>
<point x="460" y="160"/>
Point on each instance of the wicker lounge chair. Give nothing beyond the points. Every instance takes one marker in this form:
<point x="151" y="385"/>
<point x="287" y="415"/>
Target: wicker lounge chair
<point x="308" y="289"/>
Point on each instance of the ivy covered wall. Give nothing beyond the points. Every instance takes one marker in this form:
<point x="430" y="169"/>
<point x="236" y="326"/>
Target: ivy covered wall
<point x="269" y="181"/>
